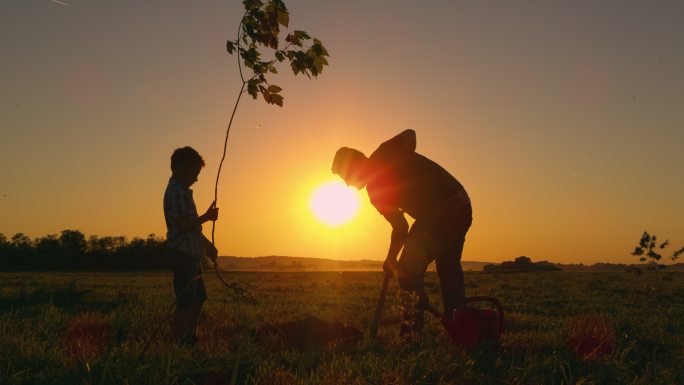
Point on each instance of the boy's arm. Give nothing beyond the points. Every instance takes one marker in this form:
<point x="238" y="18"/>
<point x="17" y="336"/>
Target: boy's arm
<point x="189" y="224"/>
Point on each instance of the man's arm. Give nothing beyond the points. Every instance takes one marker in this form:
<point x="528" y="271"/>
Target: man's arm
<point x="399" y="231"/>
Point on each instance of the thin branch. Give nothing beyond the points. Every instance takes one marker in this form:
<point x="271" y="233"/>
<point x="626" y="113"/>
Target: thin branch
<point x="238" y="52"/>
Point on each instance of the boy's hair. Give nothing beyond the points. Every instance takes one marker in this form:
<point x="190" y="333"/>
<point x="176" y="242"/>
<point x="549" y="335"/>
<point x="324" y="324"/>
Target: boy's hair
<point x="186" y="157"/>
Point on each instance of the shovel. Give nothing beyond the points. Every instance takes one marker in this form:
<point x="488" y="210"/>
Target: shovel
<point x="378" y="308"/>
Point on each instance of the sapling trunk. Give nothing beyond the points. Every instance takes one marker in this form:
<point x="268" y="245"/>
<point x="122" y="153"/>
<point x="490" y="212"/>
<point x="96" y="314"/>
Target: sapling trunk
<point x="260" y="27"/>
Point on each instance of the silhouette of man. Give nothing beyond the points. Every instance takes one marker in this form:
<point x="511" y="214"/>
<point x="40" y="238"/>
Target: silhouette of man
<point x="187" y="243"/>
<point x="400" y="181"/>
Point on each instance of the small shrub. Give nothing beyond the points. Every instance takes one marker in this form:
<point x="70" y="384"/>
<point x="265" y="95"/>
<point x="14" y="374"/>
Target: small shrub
<point x="647" y="251"/>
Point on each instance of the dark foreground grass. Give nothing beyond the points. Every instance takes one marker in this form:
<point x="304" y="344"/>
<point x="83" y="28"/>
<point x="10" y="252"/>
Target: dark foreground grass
<point x="45" y="319"/>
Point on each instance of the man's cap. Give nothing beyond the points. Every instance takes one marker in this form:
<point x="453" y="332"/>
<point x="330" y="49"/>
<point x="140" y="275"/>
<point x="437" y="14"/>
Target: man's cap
<point x="345" y="157"/>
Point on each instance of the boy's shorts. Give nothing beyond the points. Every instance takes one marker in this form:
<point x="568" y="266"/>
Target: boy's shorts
<point x="188" y="283"/>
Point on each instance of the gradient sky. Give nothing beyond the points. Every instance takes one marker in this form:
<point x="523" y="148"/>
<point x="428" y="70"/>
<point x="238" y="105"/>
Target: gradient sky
<point x="563" y="120"/>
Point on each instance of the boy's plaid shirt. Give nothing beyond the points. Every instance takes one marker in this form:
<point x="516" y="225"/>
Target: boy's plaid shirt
<point x="179" y="204"/>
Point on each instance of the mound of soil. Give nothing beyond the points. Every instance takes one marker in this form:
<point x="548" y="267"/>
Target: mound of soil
<point x="307" y="333"/>
<point x="591" y="337"/>
<point x="86" y="336"/>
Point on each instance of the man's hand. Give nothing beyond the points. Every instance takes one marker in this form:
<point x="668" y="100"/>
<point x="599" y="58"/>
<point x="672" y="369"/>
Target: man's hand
<point x="389" y="267"/>
<point x="211" y="214"/>
<point x="212" y="252"/>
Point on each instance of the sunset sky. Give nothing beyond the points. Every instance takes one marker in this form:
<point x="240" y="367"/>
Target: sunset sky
<point x="563" y="120"/>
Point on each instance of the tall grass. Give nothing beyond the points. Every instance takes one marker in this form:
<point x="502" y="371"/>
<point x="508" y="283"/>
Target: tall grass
<point x="42" y="313"/>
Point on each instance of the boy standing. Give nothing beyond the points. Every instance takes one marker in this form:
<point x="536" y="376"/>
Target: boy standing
<point x="186" y="242"/>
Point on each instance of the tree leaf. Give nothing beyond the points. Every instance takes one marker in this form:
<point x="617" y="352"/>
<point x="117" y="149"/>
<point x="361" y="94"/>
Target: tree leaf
<point x="274" y="89"/>
<point x="294" y="63"/>
<point x="319" y="48"/>
<point x="251" y="4"/>
<point x="293" y="39"/>
<point x="283" y="18"/>
<point x="302" y="35"/>
<point x="277" y="99"/>
<point x="266" y="95"/>
<point x="318" y="63"/>
<point x="252" y="88"/>
<point x="250" y="56"/>
<point x="230" y="47"/>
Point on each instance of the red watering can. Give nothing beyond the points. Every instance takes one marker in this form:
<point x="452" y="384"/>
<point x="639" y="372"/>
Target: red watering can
<point x="469" y="326"/>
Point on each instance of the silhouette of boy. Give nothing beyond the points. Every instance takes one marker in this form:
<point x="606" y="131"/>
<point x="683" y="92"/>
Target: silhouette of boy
<point x="186" y="242"/>
<point x="400" y="181"/>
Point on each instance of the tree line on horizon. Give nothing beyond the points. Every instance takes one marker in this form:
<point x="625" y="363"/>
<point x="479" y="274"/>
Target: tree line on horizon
<point x="71" y="250"/>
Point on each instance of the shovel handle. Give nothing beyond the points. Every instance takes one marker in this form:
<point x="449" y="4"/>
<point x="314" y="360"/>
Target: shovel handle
<point x="378" y="308"/>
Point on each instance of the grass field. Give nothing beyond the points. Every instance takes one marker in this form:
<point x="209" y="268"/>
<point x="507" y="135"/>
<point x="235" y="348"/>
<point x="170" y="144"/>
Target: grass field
<point x="38" y="311"/>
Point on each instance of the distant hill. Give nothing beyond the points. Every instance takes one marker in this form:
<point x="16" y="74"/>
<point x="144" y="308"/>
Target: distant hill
<point x="284" y="263"/>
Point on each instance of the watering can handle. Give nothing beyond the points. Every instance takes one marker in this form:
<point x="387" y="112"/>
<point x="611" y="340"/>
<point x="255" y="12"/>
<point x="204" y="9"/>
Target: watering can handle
<point x="499" y="307"/>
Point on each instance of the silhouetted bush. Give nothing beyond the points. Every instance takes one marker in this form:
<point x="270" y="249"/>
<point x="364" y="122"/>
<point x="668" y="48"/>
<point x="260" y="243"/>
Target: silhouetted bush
<point x="522" y="264"/>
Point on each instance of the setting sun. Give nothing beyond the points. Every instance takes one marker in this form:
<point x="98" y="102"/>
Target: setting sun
<point x="334" y="204"/>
